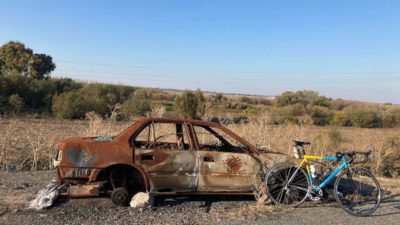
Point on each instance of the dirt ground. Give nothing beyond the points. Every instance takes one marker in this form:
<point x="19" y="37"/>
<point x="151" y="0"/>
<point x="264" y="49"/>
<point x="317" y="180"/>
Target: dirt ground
<point x="16" y="188"/>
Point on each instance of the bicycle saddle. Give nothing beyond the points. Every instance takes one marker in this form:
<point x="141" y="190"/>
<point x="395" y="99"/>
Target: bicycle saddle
<point x="301" y="143"/>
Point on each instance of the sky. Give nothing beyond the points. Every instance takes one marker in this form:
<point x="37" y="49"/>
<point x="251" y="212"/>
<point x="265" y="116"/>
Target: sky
<point x="342" y="49"/>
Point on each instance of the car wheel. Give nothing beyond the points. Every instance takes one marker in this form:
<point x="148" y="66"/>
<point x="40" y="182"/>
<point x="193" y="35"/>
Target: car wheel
<point x="120" y="196"/>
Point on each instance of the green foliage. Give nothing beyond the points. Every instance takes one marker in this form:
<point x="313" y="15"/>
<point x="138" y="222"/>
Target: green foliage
<point x="290" y="120"/>
<point x="391" y="118"/>
<point x="249" y="112"/>
<point x="138" y="104"/>
<point x="320" y="115"/>
<point x="189" y="105"/>
<point x="306" y="98"/>
<point x="99" y="98"/>
<point x="391" y="160"/>
<point x="200" y="102"/>
<point x="366" y="118"/>
<point x="340" y="120"/>
<point x="36" y="94"/>
<point x="15" y="58"/>
<point x="16" y="102"/>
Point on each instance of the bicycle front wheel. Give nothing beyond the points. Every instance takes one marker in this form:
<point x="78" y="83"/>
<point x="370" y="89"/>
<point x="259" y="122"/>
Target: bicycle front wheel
<point x="287" y="185"/>
<point x="358" y="192"/>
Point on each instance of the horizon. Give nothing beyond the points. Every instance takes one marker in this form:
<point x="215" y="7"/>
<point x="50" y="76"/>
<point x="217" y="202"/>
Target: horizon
<point x="347" y="50"/>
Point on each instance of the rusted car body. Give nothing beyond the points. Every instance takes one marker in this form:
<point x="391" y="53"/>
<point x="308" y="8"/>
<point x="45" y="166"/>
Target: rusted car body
<point x="163" y="156"/>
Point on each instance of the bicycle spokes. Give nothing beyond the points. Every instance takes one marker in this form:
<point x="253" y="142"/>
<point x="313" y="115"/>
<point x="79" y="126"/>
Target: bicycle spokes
<point x="358" y="192"/>
<point x="287" y="185"/>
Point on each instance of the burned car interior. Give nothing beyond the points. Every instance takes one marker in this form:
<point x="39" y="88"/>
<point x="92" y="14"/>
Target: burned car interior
<point x="175" y="137"/>
<point x="161" y="136"/>
<point x="211" y="140"/>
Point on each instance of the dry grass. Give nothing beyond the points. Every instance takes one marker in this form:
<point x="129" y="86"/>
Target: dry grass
<point x="27" y="143"/>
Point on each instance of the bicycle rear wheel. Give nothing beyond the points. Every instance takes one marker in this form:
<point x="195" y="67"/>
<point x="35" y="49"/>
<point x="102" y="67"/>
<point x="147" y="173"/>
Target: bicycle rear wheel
<point x="287" y="185"/>
<point x="358" y="192"/>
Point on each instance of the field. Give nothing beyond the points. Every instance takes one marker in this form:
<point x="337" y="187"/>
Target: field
<point x="27" y="144"/>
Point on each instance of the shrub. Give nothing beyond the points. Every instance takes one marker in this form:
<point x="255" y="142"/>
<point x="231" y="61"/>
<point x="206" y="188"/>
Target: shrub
<point x="200" y="102"/>
<point x="366" y="118"/>
<point x="306" y="98"/>
<point x="98" y="98"/>
<point x="391" y="118"/>
<point x="137" y="104"/>
<point x="287" y="98"/>
<point x="340" y="119"/>
<point x="249" y="112"/>
<point x="190" y="105"/>
<point x="391" y="160"/>
<point x="320" y="115"/>
<point x="290" y="120"/>
<point x="16" y="102"/>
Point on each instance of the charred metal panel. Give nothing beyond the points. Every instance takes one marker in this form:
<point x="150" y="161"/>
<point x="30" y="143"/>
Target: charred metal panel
<point x="227" y="171"/>
<point x="169" y="170"/>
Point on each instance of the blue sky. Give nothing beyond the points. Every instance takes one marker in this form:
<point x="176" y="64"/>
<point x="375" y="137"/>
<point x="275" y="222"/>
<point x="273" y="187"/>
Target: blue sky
<point x="346" y="49"/>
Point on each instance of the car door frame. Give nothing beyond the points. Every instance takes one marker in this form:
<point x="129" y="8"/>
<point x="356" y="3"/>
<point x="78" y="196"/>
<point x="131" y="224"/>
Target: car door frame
<point x="226" y="172"/>
<point x="168" y="171"/>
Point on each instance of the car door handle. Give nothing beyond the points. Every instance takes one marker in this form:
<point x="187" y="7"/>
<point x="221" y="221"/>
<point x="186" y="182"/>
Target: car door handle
<point x="208" y="159"/>
<point x="147" y="157"/>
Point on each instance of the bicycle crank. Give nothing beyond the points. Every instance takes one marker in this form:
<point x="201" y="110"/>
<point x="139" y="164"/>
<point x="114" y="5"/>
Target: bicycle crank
<point x="316" y="193"/>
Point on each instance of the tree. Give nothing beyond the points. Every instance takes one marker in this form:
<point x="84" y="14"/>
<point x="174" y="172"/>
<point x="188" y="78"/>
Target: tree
<point x="15" y="58"/>
<point x="40" y="66"/>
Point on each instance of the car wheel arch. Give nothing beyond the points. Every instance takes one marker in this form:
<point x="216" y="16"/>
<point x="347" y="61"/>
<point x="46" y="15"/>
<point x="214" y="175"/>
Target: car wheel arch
<point x="105" y="173"/>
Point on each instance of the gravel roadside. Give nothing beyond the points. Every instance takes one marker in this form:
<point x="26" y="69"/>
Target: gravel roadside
<point x="16" y="188"/>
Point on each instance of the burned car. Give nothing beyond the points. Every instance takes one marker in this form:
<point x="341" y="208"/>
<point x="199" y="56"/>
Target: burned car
<point x="163" y="157"/>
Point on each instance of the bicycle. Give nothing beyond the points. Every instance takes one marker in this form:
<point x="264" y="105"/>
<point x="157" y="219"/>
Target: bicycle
<point x="356" y="190"/>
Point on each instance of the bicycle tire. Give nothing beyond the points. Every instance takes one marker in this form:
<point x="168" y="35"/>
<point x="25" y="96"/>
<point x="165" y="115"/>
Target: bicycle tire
<point x="358" y="192"/>
<point x="282" y="193"/>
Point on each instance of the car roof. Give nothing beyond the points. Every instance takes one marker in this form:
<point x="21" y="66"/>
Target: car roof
<point x="175" y="120"/>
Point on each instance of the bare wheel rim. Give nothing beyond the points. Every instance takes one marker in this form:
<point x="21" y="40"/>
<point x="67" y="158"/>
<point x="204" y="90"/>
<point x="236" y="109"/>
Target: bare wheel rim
<point x="358" y="192"/>
<point x="120" y="196"/>
<point x="283" y="192"/>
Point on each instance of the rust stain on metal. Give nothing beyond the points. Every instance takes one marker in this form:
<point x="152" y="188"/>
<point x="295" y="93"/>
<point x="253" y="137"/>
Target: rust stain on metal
<point x="233" y="165"/>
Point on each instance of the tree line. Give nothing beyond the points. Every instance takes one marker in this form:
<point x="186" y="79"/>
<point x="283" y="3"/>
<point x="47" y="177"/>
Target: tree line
<point x="27" y="88"/>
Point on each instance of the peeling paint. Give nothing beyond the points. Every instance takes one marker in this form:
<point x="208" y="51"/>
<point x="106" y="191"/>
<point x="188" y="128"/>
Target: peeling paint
<point x="80" y="157"/>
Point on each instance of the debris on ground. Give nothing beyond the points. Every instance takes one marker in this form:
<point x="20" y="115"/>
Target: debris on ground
<point x="45" y="197"/>
<point x="3" y="210"/>
<point x="141" y="199"/>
